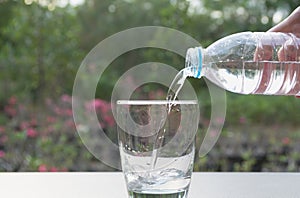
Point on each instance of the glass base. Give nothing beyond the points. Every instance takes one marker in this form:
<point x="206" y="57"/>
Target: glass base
<point x="182" y="194"/>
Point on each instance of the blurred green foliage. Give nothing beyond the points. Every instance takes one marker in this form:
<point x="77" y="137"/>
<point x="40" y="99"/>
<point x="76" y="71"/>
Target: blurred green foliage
<point x="39" y="52"/>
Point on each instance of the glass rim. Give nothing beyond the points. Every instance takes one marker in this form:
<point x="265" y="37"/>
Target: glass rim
<point x="155" y="102"/>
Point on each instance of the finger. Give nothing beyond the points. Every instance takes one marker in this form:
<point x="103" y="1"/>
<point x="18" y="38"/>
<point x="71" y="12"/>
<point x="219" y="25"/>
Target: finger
<point x="288" y="25"/>
<point x="290" y="51"/>
<point x="263" y="53"/>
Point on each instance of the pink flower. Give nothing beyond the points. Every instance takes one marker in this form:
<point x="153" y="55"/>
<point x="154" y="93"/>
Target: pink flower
<point x="49" y="129"/>
<point x="2" y="129"/>
<point x="286" y="141"/>
<point x="3" y="139"/>
<point x="49" y="102"/>
<point x="32" y="133"/>
<point x="11" y="111"/>
<point x="219" y="120"/>
<point x="243" y="120"/>
<point x="51" y="119"/>
<point x="12" y="100"/>
<point x="106" y="108"/>
<point x="158" y="94"/>
<point x="42" y="168"/>
<point x="24" y="125"/>
<point x="21" y="108"/>
<point x="2" y="154"/>
<point x="68" y="112"/>
<point x="66" y="98"/>
<point x="152" y="95"/>
<point x="33" y="122"/>
<point x="53" y="169"/>
<point x="89" y="106"/>
<point x="70" y="124"/>
<point x="213" y="133"/>
<point x="58" y="111"/>
<point x="98" y="104"/>
<point x="205" y="122"/>
<point x="109" y="120"/>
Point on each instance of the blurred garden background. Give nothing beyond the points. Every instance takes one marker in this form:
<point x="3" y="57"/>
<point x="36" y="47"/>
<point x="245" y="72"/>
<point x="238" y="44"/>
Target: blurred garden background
<point x="43" y="42"/>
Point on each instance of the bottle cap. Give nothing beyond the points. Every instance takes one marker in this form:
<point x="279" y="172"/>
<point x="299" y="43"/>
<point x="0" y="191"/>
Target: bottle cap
<point x="194" y="61"/>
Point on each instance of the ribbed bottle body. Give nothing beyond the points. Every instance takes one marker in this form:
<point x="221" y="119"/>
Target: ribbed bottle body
<point x="251" y="63"/>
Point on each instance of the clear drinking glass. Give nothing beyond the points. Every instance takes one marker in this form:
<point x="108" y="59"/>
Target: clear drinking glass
<point x="157" y="148"/>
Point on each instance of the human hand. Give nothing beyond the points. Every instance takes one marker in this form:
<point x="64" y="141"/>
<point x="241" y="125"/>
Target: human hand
<point x="289" y="25"/>
<point x="290" y="51"/>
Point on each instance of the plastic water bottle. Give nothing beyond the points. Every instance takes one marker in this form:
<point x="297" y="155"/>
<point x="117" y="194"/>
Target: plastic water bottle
<point x="250" y="63"/>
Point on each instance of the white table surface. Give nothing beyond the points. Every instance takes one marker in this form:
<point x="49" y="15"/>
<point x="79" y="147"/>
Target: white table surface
<point x="112" y="185"/>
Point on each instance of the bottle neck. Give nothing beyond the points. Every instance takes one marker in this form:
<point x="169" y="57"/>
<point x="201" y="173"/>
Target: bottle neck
<point x="194" y="62"/>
